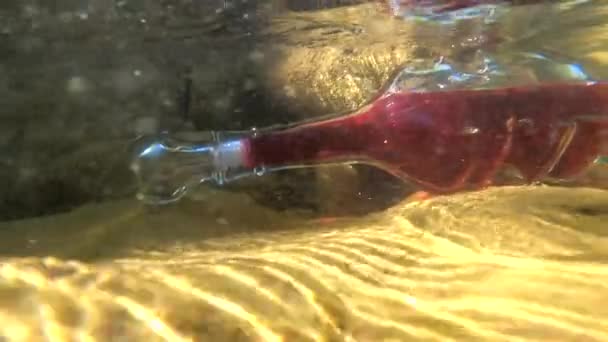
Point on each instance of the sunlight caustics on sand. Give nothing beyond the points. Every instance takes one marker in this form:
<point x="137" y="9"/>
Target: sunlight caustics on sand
<point x="529" y="265"/>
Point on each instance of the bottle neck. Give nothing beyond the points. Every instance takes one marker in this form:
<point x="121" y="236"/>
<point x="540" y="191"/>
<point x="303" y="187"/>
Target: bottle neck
<point x="332" y="140"/>
<point x="174" y="164"/>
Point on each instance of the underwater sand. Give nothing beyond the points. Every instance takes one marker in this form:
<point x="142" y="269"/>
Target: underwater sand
<point x="505" y="264"/>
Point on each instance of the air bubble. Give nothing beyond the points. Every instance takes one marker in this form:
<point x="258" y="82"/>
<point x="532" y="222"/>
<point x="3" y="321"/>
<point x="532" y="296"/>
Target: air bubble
<point x="470" y="130"/>
<point x="259" y="171"/>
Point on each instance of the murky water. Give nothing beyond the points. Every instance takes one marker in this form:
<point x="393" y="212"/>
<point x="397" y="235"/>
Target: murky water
<point x="328" y="254"/>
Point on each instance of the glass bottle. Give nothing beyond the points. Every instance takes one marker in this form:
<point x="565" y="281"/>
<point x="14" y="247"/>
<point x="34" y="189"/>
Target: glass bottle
<point x="447" y="133"/>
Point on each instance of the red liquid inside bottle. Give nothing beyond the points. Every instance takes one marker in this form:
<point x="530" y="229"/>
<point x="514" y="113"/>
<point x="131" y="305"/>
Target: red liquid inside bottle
<point x="446" y="141"/>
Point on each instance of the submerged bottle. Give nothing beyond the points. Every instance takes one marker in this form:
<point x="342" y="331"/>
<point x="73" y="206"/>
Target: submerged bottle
<point x="443" y="141"/>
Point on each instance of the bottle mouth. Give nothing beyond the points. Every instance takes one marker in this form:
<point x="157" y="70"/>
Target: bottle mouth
<point x="166" y="166"/>
<point x="156" y="179"/>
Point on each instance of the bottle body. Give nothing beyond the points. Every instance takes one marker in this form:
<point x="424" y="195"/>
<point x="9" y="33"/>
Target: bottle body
<point x="447" y="141"/>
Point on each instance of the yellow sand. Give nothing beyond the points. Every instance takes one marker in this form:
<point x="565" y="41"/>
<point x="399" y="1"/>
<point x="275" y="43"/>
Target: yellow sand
<point x="510" y="264"/>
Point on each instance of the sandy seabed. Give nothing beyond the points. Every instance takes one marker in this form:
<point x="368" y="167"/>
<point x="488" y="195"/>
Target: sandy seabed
<point x="504" y="264"/>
